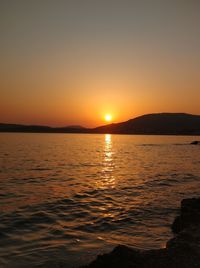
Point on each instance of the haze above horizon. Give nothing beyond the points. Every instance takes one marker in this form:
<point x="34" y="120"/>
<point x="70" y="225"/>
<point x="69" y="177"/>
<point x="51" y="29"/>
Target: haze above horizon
<point x="75" y="62"/>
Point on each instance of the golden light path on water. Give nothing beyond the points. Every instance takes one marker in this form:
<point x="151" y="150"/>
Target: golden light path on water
<point x="107" y="176"/>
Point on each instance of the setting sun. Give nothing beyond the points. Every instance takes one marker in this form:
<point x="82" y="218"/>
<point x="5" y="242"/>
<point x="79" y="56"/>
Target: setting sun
<point x="108" y="117"/>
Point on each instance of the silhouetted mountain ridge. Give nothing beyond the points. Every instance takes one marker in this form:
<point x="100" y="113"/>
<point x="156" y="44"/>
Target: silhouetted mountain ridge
<point x="149" y="124"/>
<point x="162" y="123"/>
<point x="74" y="126"/>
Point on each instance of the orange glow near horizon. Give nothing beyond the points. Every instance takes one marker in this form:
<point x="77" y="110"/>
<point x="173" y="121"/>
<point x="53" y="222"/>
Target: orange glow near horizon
<point x="90" y="64"/>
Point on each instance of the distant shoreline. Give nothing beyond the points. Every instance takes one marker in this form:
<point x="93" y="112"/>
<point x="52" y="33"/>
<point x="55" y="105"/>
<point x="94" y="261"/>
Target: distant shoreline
<point x="95" y="133"/>
<point x="179" y="124"/>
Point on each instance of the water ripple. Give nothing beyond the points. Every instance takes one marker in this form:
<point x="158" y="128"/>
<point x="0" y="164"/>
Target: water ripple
<point x="71" y="195"/>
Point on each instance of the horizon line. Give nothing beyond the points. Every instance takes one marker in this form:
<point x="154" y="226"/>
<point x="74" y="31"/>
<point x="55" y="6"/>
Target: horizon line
<point x="78" y="126"/>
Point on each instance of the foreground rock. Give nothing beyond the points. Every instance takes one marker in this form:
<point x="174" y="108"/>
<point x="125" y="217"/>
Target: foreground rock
<point x="182" y="251"/>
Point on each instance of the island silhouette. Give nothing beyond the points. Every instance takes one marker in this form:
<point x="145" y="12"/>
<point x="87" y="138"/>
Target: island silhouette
<point x="149" y="124"/>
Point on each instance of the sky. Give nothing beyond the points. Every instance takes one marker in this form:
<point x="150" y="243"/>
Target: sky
<point x="70" y="62"/>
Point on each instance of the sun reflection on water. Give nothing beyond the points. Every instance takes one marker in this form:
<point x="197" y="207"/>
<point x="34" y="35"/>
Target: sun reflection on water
<point x="107" y="176"/>
<point x="108" y="138"/>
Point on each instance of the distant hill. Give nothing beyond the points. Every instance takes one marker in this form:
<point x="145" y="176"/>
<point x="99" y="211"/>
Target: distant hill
<point x="40" y="129"/>
<point x="150" y="124"/>
<point x="163" y="123"/>
<point x="23" y="128"/>
<point x="74" y="126"/>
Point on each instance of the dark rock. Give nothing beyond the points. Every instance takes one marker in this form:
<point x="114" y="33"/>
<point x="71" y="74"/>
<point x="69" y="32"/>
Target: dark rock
<point x="176" y="225"/>
<point x="182" y="251"/>
<point x="195" y="142"/>
<point x="189" y="215"/>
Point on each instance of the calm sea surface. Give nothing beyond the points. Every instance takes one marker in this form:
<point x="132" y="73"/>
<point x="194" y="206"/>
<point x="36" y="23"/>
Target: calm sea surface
<point x="64" y="198"/>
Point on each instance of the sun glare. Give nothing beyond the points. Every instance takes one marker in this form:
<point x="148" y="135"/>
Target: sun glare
<point x="108" y="118"/>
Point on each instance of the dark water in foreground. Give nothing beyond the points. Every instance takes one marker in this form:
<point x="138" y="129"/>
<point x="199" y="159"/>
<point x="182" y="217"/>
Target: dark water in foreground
<point x="64" y="198"/>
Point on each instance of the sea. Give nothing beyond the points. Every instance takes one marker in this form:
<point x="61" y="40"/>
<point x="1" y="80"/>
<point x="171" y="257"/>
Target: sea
<point x="66" y="198"/>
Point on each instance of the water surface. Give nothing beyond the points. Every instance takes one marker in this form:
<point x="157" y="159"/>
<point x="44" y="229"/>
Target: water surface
<point x="64" y="198"/>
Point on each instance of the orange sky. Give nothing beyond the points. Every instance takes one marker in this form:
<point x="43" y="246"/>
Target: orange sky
<point x="66" y="63"/>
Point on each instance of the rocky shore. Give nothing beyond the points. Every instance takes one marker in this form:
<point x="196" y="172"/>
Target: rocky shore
<point x="182" y="251"/>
